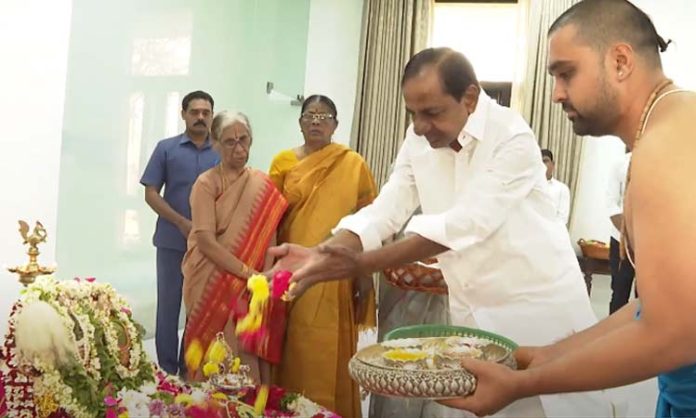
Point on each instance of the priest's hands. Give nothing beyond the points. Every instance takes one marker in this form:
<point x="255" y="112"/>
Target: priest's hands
<point x="496" y="387"/>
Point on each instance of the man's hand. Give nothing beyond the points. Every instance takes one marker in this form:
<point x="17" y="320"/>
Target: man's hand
<point x="313" y="265"/>
<point x="362" y="289"/>
<point x="333" y="262"/>
<point x="496" y="387"/>
<point x="290" y="257"/>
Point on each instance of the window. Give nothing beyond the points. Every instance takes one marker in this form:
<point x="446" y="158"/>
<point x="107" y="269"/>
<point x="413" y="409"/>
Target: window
<point x="487" y="33"/>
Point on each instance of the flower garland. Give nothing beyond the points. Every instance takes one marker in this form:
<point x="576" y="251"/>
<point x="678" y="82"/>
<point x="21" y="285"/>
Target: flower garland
<point x="109" y="319"/>
<point x="88" y="310"/>
<point x="50" y="394"/>
<point x="98" y="381"/>
<point x="170" y="397"/>
<point x="69" y="300"/>
<point x="281" y="403"/>
<point x="3" y="404"/>
<point x="18" y="388"/>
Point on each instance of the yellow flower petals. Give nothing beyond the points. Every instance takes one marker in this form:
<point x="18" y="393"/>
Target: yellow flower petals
<point x="217" y="352"/>
<point x="183" y="399"/>
<point x="194" y="355"/>
<point x="219" y="396"/>
<point x="235" y="364"/>
<point x="210" y="369"/>
<point x="261" y="399"/>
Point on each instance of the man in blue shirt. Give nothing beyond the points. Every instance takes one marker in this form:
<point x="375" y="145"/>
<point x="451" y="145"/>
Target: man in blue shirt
<point x="175" y="164"/>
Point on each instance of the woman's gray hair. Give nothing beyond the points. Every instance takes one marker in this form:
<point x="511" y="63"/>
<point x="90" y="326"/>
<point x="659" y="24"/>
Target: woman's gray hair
<point x="226" y="118"/>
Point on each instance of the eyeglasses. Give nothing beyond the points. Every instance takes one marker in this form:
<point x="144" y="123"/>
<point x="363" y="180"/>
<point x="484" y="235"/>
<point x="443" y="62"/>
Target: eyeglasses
<point x="230" y="143"/>
<point x="320" y="117"/>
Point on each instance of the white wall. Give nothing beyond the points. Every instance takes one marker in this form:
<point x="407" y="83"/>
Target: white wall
<point x="333" y="46"/>
<point x="673" y="20"/>
<point x="35" y="36"/>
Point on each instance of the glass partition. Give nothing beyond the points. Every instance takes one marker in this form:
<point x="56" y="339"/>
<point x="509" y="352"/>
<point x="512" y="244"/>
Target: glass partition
<point x="129" y="65"/>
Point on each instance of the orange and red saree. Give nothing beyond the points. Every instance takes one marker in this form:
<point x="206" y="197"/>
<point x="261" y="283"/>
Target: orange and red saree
<point x="323" y="324"/>
<point x="244" y="217"/>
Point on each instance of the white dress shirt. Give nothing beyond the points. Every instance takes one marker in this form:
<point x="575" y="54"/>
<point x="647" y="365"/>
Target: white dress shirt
<point x="616" y="187"/>
<point x="511" y="268"/>
<point x="560" y="196"/>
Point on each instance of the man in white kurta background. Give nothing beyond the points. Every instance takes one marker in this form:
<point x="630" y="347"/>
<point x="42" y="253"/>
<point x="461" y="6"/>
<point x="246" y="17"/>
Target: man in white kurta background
<point x="474" y="168"/>
<point x="622" y="272"/>
<point x="560" y="194"/>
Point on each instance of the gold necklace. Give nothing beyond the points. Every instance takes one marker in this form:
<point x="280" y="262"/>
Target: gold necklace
<point x="646" y="109"/>
<point x="623" y="244"/>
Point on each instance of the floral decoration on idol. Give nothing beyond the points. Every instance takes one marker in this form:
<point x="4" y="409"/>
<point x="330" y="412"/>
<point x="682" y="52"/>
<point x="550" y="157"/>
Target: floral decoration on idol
<point x="73" y="350"/>
<point x="3" y="404"/>
<point x="68" y="344"/>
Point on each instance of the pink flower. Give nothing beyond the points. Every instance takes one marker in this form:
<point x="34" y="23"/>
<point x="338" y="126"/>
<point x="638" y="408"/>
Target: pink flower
<point x="90" y="279"/>
<point x="197" y="411"/>
<point x="280" y="283"/>
<point x="110" y="401"/>
<point x="176" y="410"/>
<point x="169" y="387"/>
<point x="157" y="407"/>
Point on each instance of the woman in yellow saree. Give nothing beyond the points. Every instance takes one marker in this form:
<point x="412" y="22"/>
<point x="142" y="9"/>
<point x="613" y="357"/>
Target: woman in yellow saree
<point x="323" y="182"/>
<point x="235" y="212"/>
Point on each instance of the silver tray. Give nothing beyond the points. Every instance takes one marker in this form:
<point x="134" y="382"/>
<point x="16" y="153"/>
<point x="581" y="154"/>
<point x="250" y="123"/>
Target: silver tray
<point x="440" y="383"/>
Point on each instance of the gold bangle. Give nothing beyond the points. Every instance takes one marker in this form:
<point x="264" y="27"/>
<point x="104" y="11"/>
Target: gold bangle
<point x="245" y="271"/>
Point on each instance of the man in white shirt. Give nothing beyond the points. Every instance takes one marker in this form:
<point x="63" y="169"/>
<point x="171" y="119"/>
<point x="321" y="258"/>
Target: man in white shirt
<point x="622" y="272"/>
<point x="604" y="58"/>
<point x="560" y="194"/>
<point x="473" y="167"/>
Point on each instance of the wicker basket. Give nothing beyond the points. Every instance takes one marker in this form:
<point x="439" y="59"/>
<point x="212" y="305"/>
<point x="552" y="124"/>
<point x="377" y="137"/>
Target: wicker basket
<point x="418" y="276"/>
<point x="594" y="249"/>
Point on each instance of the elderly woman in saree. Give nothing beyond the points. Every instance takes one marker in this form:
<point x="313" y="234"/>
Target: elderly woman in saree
<point x="235" y="212"/>
<point x="323" y="182"/>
